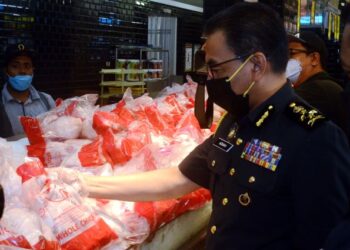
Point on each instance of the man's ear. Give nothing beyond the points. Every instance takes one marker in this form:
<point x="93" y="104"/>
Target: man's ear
<point x="316" y="59"/>
<point x="260" y="65"/>
<point x="256" y="68"/>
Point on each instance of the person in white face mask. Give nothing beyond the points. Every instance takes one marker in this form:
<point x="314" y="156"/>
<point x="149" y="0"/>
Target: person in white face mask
<point x="293" y="70"/>
<point x="313" y="83"/>
<point x="18" y="96"/>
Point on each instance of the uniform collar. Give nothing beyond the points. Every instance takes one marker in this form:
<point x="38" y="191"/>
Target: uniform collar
<point x="7" y="97"/>
<point x="273" y="104"/>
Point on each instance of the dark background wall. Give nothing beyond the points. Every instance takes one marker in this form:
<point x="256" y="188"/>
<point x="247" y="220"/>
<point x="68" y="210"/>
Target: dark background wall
<point x="74" y="38"/>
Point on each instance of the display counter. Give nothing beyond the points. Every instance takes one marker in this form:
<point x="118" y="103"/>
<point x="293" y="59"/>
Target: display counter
<point x="43" y="211"/>
<point x="182" y="232"/>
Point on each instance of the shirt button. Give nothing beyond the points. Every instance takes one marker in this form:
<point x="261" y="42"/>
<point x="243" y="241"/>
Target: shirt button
<point x="213" y="163"/>
<point x="232" y="171"/>
<point x="224" y="201"/>
<point x="251" y="179"/>
<point x="213" y="229"/>
<point x="239" y="141"/>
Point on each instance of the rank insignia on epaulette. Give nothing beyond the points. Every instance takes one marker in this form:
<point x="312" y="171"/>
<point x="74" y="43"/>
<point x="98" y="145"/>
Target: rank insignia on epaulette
<point x="264" y="116"/>
<point x="262" y="154"/>
<point x="309" y="118"/>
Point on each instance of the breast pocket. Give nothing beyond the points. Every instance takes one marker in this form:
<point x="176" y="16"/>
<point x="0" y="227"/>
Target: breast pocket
<point x="219" y="162"/>
<point x="255" y="177"/>
<point x="219" y="158"/>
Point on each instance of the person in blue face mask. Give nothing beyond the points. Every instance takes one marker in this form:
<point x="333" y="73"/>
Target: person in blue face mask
<point x="18" y="96"/>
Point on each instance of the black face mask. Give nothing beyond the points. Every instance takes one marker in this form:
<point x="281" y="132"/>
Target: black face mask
<point x="220" y="92"/>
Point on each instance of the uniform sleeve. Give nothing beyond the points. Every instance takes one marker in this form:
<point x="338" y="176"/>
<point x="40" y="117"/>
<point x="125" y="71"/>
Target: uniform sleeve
<point x="320" y="185"/>
<point x="195" y="165"/>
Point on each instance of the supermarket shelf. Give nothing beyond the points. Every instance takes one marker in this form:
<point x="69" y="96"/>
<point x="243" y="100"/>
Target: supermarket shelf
<point x="118" y="86"/>
<point x="133" y="73"/>
<point x="121" y="83"/>
<point x="153" y="70"/>
<point x="153" y="79"/>
<point x="123" y="71"/>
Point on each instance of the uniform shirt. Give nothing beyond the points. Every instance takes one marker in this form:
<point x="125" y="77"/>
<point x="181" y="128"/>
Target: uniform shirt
<point x="32" y="107"/>
<point x="279" y="178"/>
<point x="323" y="93"/>
<point x="338" y="239"/>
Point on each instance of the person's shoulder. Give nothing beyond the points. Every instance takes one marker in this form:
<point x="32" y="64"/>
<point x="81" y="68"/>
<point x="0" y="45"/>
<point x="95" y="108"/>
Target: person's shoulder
<point x="48" y="96"/>
<point x="45" y="97"/>
<point x="311" y="124"/>
<point x="304" y="115"/>
<point x="4" y="92"/>
<point x="50" y="99"/>
<point x="325" y="81"/>
<point x="331" y="85"/>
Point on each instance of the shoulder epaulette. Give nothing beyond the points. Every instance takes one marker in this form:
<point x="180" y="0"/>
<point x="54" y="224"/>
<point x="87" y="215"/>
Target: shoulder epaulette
<point x="305" y="115"/>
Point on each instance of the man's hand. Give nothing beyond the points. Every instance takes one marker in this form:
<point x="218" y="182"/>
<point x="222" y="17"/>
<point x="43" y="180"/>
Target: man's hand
<point x="70" y="177"/>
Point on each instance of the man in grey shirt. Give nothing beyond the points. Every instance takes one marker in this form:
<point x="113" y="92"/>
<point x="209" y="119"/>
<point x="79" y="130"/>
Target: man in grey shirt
<point x="18" y="96"/>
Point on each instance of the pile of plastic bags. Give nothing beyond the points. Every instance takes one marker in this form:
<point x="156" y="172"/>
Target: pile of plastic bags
<point x="134" y="135"/>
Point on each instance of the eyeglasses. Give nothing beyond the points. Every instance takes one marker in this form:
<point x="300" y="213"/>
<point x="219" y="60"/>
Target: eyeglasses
<point x="211" y="67"/>
<point x="293" y="52"/>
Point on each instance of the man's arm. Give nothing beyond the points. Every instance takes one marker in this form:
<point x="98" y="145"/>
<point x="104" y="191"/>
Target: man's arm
<point x="150" y="186"/>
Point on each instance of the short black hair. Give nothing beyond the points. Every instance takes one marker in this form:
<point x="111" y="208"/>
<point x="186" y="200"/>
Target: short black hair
<point x="250" y="28"/>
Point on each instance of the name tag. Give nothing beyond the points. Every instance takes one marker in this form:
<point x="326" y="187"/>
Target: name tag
<point x="223" y="145"/>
